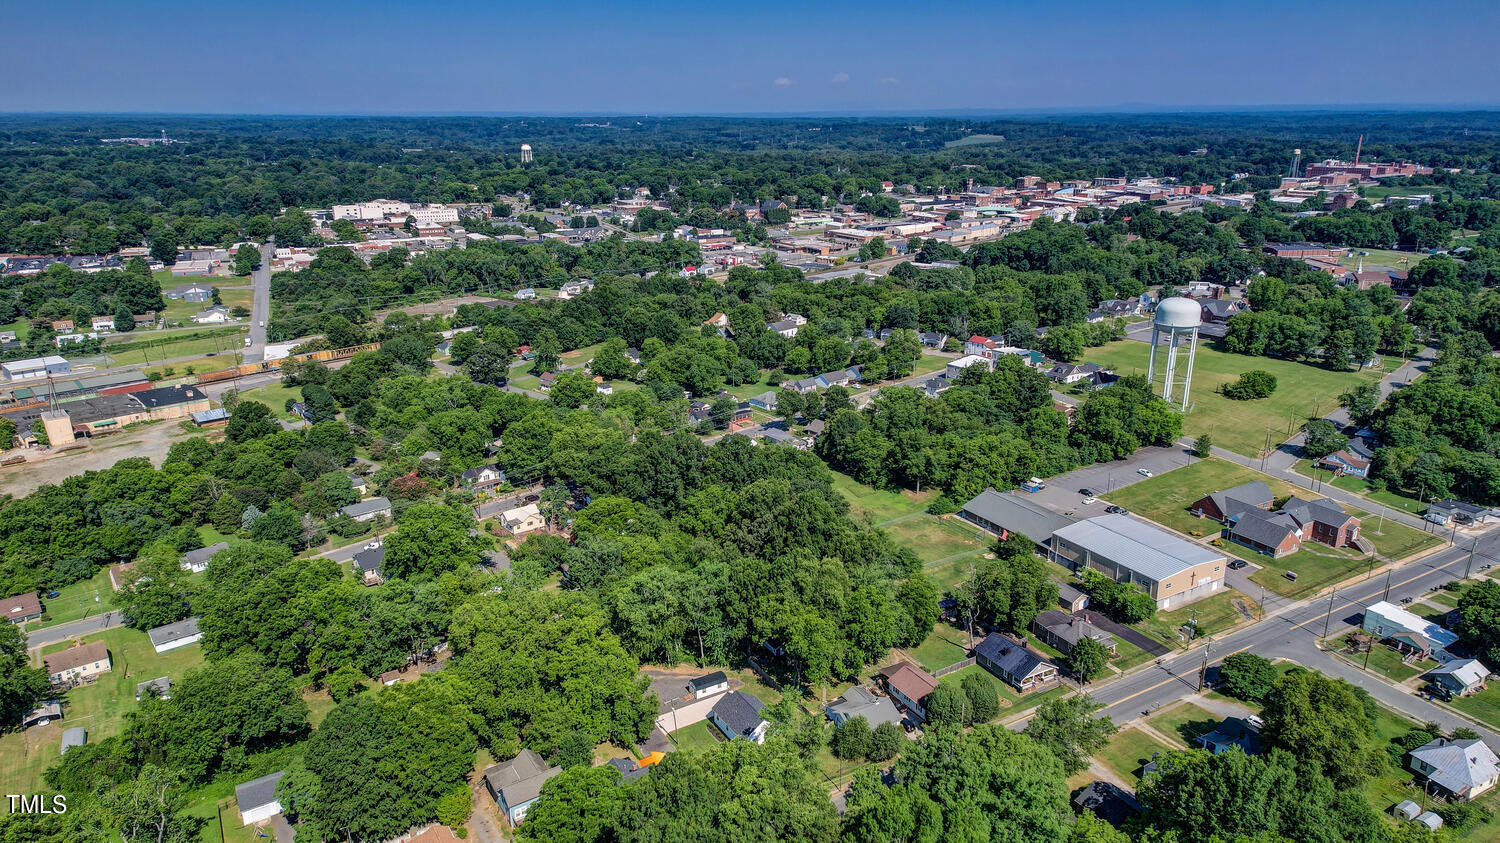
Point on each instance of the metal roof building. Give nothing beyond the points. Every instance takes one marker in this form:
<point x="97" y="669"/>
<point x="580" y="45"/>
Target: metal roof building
<point x="1173" y="569"/>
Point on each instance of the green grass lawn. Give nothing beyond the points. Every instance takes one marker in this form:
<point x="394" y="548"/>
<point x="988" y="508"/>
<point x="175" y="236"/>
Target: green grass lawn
<point x="526" y="382"/>
<point x="99" y="707"/>
<point x="580" y="356"/>
<point x="274" y="395"/>
<point x="1127" y="655"/>
<point x="1128" y="751"/>
<point x="1184" y="722"/>
<point x="225" y="343"/>
<point x="1392" y="539"/>
<point x="1484" y="705"/>
<point x="77" y="601"/>
<point x="181" y="311"/>
<point x="878" y="505"/>
<point x="1213" y="615"/>
<point x="949" y="574"/>
<point x="1009" y="699"/>
<point x="929" y="364"/>
<point x="1388" y="663"/>
<point x="697" y="737"/>
<point x="935" y="538"/>
<point x="22" y="327"/>
<point x="946" y="645"/>
<point x="1302" y="391"/>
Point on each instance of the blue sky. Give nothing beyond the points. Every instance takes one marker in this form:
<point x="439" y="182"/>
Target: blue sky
<point x="334" y="56"/>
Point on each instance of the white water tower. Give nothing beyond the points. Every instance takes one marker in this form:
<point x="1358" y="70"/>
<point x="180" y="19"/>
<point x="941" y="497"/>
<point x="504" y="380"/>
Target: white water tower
<point x="1178" y="318"/>
<point x="525" y="153"/>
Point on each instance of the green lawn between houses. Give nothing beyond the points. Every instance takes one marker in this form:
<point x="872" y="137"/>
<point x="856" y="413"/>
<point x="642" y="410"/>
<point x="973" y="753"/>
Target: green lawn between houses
<point x="1128" y="751"/>
<point x="1302" y="391"/>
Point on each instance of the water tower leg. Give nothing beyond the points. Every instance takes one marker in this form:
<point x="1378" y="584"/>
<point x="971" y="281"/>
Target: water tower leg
<point x="1151" y="360"/>
<point x="1166" y="390"/>
<point x="1187" y="384"/>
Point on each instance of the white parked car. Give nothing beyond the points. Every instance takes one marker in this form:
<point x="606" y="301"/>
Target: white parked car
<point x="1144" y="472"/>
<point x="1090" y="499"/>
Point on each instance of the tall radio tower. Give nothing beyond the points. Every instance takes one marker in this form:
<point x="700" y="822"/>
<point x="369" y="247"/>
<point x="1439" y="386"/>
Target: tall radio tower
<point x="1296" y="161"/>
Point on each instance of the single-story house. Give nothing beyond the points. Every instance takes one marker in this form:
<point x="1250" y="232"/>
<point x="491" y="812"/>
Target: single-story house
<point x="786" y="327"/>
<point x="212" y="315"/>
<point x="175" y="635"/>
<point x="840" y="377"/>
<point x="1243" y="732"/>
<point x="775" y="436"/>
<point x="197" y="560"/>
<point x="1346" y="461"/>
<point x="76" y="736"/>
<point x="368" y="562"/>
<point x="368" y="510"/>
<point x="1460" y="676"/>
<point x="1107" y="801"/>
<point x="630" y="770"/>
<point x="1071" y="599"/>
<point x="77" y="663"/>
<point x="257" y="798"/>
<point x="909" y="686"/>
<point x="1064" y="631"/>
<point x="196" y="293"/>
<point x="1410" y="633"/>
<point x="932" y="339"/>
<point x="160" y="687"/>
<point x="102" y="323"/>
<point x="1462" y="769"/>
<point x="859" y="702"/>
<point x="21" y="608"/>
<point x="62" y="326"/>
<point x="546" y="380"/>
<point x="764" y="401"/>
<point x="483" y="477"/>
<point x="516" y="784"/>
<point x="708" y="685"/>
<point x="1014" y="662"/>
<point x="962" y="364"/>
<point x="523" y="519"/>
<point x="1069" y="373"/>
<point x="738" y="716"/>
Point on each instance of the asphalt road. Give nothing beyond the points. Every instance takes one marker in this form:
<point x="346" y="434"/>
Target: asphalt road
<point x="260" y="308"/>
<point x="64" y="631"/>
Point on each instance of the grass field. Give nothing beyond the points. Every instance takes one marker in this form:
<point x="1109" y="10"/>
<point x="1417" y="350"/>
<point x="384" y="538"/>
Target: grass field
<point x="1128" y="751"/>
<point x="98" y="707"/>
<point x="81" y="599"/>
<point x="180" y="311"/>
<point x="1390" y="258"/>
<point x="878" y="505"/>
<point x="580" y="356"/>
<point x="945" y="646"/>
<point x="1213" y="615"/>
<point x="22" y="327"/>
<point x="225" y="342"/>
<point x="935" y="538"/>
<point x="1184" y="722"/>
<point x="1009" y="699"/>
<point x="273" y="395"/>
<point x="1484" y="705"/>
<point x="1302" y="391"/>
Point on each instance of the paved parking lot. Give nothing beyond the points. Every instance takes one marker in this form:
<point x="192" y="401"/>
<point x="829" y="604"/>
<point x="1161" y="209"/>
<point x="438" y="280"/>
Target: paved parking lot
<point x="1062" y="493"/>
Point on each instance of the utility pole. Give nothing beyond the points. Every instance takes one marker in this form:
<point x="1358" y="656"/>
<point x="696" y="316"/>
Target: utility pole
<point x="1469" y="563"/>
<point x="1203" y="671"/>
<point x="1328" y="618"/>
<point x="1387" y="593"/>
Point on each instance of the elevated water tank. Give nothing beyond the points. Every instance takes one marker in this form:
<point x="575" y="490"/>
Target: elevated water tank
<point x="1178" y="312"/>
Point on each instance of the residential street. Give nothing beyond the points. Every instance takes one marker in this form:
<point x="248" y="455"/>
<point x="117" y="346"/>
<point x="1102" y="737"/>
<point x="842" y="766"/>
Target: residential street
<point x="260" y="308"/>
<point x="63" y="631"/>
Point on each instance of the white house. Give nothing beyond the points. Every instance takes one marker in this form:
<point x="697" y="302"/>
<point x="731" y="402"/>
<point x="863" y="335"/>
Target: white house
<point x="959" y="366"/>
<point x="257" y="798"/>
<point x="368" y="510"/>
<point x="197" y="560"/>
<point x="1411" y="633"/>
<point x="175" y="635"/>
<point x="708" y="685"/>
<point x="523" y="519"/>
<point x="78" y="663"/>
<point x="738" y="716"/>
<point x="1464" y="769"/>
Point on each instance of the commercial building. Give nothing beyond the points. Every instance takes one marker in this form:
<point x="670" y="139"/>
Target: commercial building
<point x="34" y="367"/>
<point x="1006" y="514"/>
<point x="87" y="417"/>
<point x="1172" y="569"/>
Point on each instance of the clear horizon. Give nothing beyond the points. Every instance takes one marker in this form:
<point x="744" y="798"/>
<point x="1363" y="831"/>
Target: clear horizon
<point x="469" y="58"/>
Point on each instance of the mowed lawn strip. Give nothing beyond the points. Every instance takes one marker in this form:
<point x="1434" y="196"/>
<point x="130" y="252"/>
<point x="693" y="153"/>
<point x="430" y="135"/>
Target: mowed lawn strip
<point x="878" y="505"/>
<point x="1128" y="751"/>
<point x="1302" y="391"/>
